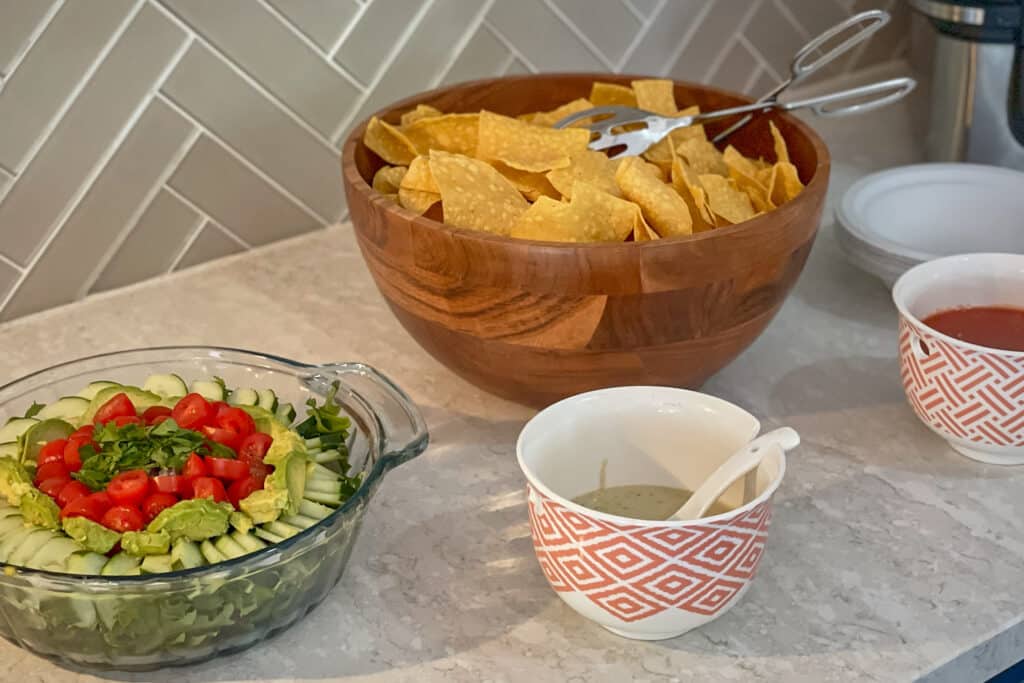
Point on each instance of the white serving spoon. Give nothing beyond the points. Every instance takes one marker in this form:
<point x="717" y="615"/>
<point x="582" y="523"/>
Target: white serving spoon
<point x="739" y="464"/>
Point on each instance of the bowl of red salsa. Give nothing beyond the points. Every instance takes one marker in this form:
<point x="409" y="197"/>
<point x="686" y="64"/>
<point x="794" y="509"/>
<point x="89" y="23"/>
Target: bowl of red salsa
<point x="961" y="349"/>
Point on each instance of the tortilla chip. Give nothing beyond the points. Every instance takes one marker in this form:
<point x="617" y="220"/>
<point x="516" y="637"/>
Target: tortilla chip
<point x="781" y="151"/>
<point x="550" y="118"/>
<point x="591" y="216"/>
<point x="702" y="156"/>
<point x="455" y="133"/>
<point x="662" y="206"/>
<point x="530" y="185"/>
<point x="657" y="95"/>
<point x="389" y="143"/>
<point x="418" y="191"/>
<point x="603" y="94"/>
<point x="681" y="135"/>
<point x="474" y="195"/>
<point x="745" y="174"/>
<point x="685" y="182"/>
<point x="589" y="166"/>
<point x="725" y="200"/>
<point x="387" y="179"/>
<point x="785" y="183"/>
<point x="525" y="146"/>
<point x="422" y="111"/>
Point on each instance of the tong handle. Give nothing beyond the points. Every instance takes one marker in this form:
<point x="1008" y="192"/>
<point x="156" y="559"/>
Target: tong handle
<point x="852" y="101"/>
<point x="807" y="61"/>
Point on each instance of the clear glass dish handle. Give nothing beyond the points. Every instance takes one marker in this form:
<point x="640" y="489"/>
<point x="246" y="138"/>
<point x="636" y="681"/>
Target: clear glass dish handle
<point x="403" y="431"/>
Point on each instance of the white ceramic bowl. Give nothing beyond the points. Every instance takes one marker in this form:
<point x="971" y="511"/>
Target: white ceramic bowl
<point x="891" y="221"/>
<point x="647" y="580"/>
<point x="970" y="395"/>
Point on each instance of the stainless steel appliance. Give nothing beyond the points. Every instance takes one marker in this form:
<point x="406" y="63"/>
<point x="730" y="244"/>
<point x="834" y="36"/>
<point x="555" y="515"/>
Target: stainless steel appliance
<point x="977" y="99"/>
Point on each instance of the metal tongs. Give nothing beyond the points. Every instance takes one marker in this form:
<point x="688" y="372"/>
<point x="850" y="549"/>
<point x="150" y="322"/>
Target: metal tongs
<point x="649" y="128"/>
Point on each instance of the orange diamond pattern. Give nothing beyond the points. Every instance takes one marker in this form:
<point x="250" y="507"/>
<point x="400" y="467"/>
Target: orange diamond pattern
<point x="633" y="571"/>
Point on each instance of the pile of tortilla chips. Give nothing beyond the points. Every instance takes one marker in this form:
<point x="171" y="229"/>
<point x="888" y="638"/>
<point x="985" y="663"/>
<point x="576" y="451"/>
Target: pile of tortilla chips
<point x="519" y="177"/>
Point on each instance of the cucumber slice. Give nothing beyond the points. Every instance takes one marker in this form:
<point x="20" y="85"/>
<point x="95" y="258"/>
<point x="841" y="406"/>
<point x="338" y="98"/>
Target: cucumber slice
<point x="281" y="529"/>
<point x="139" y="398"/>
<point x="209" y="389"/>
<point x="300" y="521"/>
<point x="211" y="553"/>
<point x="327" y="456"/>
<point x="38" y="435"/>
<point x="166" y="385"/>
<point x="320" y="472"/>
<point x="245" y="397"/>
<point x="121" y="564"/>
<point x="11" y="524"/>
<point x="186" y="553"/>
<point x="9" y="450"/>
<point x="267" y="536"/>
<point x="228" y="547"/>
<point x="248" y="541"/>
<point x="157" y="564"/>
<point x="325" y="498"/>
<point x="9" y="511"/>
<point x="86" y="563"/>
<point x="308" y="508"/>
<point x="323" y="486"/>
<point x="54" y="555"/>
<point x="89" y="393"/>
<point x="267" y="399"/>
<point x="12" y="540"/>
<point x="15" y="428"/>
<point x="285" y="413"/>
<point x="29" y="546"/>
<point x="68" y="408"/>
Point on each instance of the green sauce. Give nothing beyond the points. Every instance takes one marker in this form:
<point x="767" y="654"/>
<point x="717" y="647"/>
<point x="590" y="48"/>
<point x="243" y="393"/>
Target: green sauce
<point x="642" y="501"/>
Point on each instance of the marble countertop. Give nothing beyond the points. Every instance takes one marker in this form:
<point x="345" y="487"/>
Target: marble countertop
<point x="891" y="558"/>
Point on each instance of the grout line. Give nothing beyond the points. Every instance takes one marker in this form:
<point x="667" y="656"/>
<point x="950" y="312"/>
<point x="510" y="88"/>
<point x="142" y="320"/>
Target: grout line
<point x="382" y="70"/>
<point x="758" y="57"/>
<point x="12" y="264"/>
<point x="252" y="82"/>
<point x="310" y="44"/>
<point x="755" y="75"/>
<point x="7" y="172"/>
<point x="232" y="236"/>
<point x="780" y="6"/>
<point x="165" y="98"/>
<point x="721" y="57"/>
<point x="575" y="30"/>
<point x="507" y="64"/>
<point x="645" y="27"/>
<point x="80" y="86"/>
<point x="133" y="220"/>
<point x="37" y="31"/>
<point x="634" y="11"/>
<point x="510" y="47"/>
<point x="467" y="36"/>
<point x="687" y="37"/>
<point x="187" y="202"/>
<point x="347" y="31"/>
<point x="187" y="244"/>
<point x="84" y="188"/>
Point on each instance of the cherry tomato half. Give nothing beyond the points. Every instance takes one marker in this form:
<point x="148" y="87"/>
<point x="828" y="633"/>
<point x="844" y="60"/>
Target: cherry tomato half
<point x="85" y="506"/>
<point x="209" y="487"/>
<point x="73" y="490"/>
<point x="240" y="490"/>
<point x="122" y="420"/>
<point x="254" y="447"/>
<point x="72" y="458"/>
<point x="118" y="406"/>
<point x="175" y="484"/>
<point x="155" y="502"/>
<point x="52" y="452"/>
<point x="149" y="415"/>
<point x="123" y="518"/>
<point x="225" y="437"/>
<point x="194" y="467"/>
<point x="192" y="412"/>
<point x="129" y="488"/>
<point x="52" y="485"/>
<point x="237" y="420"/>
<point x="50" y="470"/>
<point x="226" y="468"/>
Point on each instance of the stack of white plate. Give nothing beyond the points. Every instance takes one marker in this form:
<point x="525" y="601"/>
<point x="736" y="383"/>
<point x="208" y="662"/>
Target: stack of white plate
<point x="890" y="221"/>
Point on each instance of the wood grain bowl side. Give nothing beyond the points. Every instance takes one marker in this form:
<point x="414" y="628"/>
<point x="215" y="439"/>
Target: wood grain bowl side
<point x="534" y="321"/>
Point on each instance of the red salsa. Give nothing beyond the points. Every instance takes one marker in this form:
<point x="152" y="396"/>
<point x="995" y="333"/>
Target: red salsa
<point x="997" y="327"/>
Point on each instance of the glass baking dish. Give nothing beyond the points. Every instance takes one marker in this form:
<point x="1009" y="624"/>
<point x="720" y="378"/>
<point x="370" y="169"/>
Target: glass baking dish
<point x="145" y="622"/>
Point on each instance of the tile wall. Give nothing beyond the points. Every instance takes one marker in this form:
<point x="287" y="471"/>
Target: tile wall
<point x="139" y="137"/>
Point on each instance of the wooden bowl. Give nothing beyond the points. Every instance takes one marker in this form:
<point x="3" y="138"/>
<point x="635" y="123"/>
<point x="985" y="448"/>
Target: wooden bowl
<point x="538" y="321"/>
